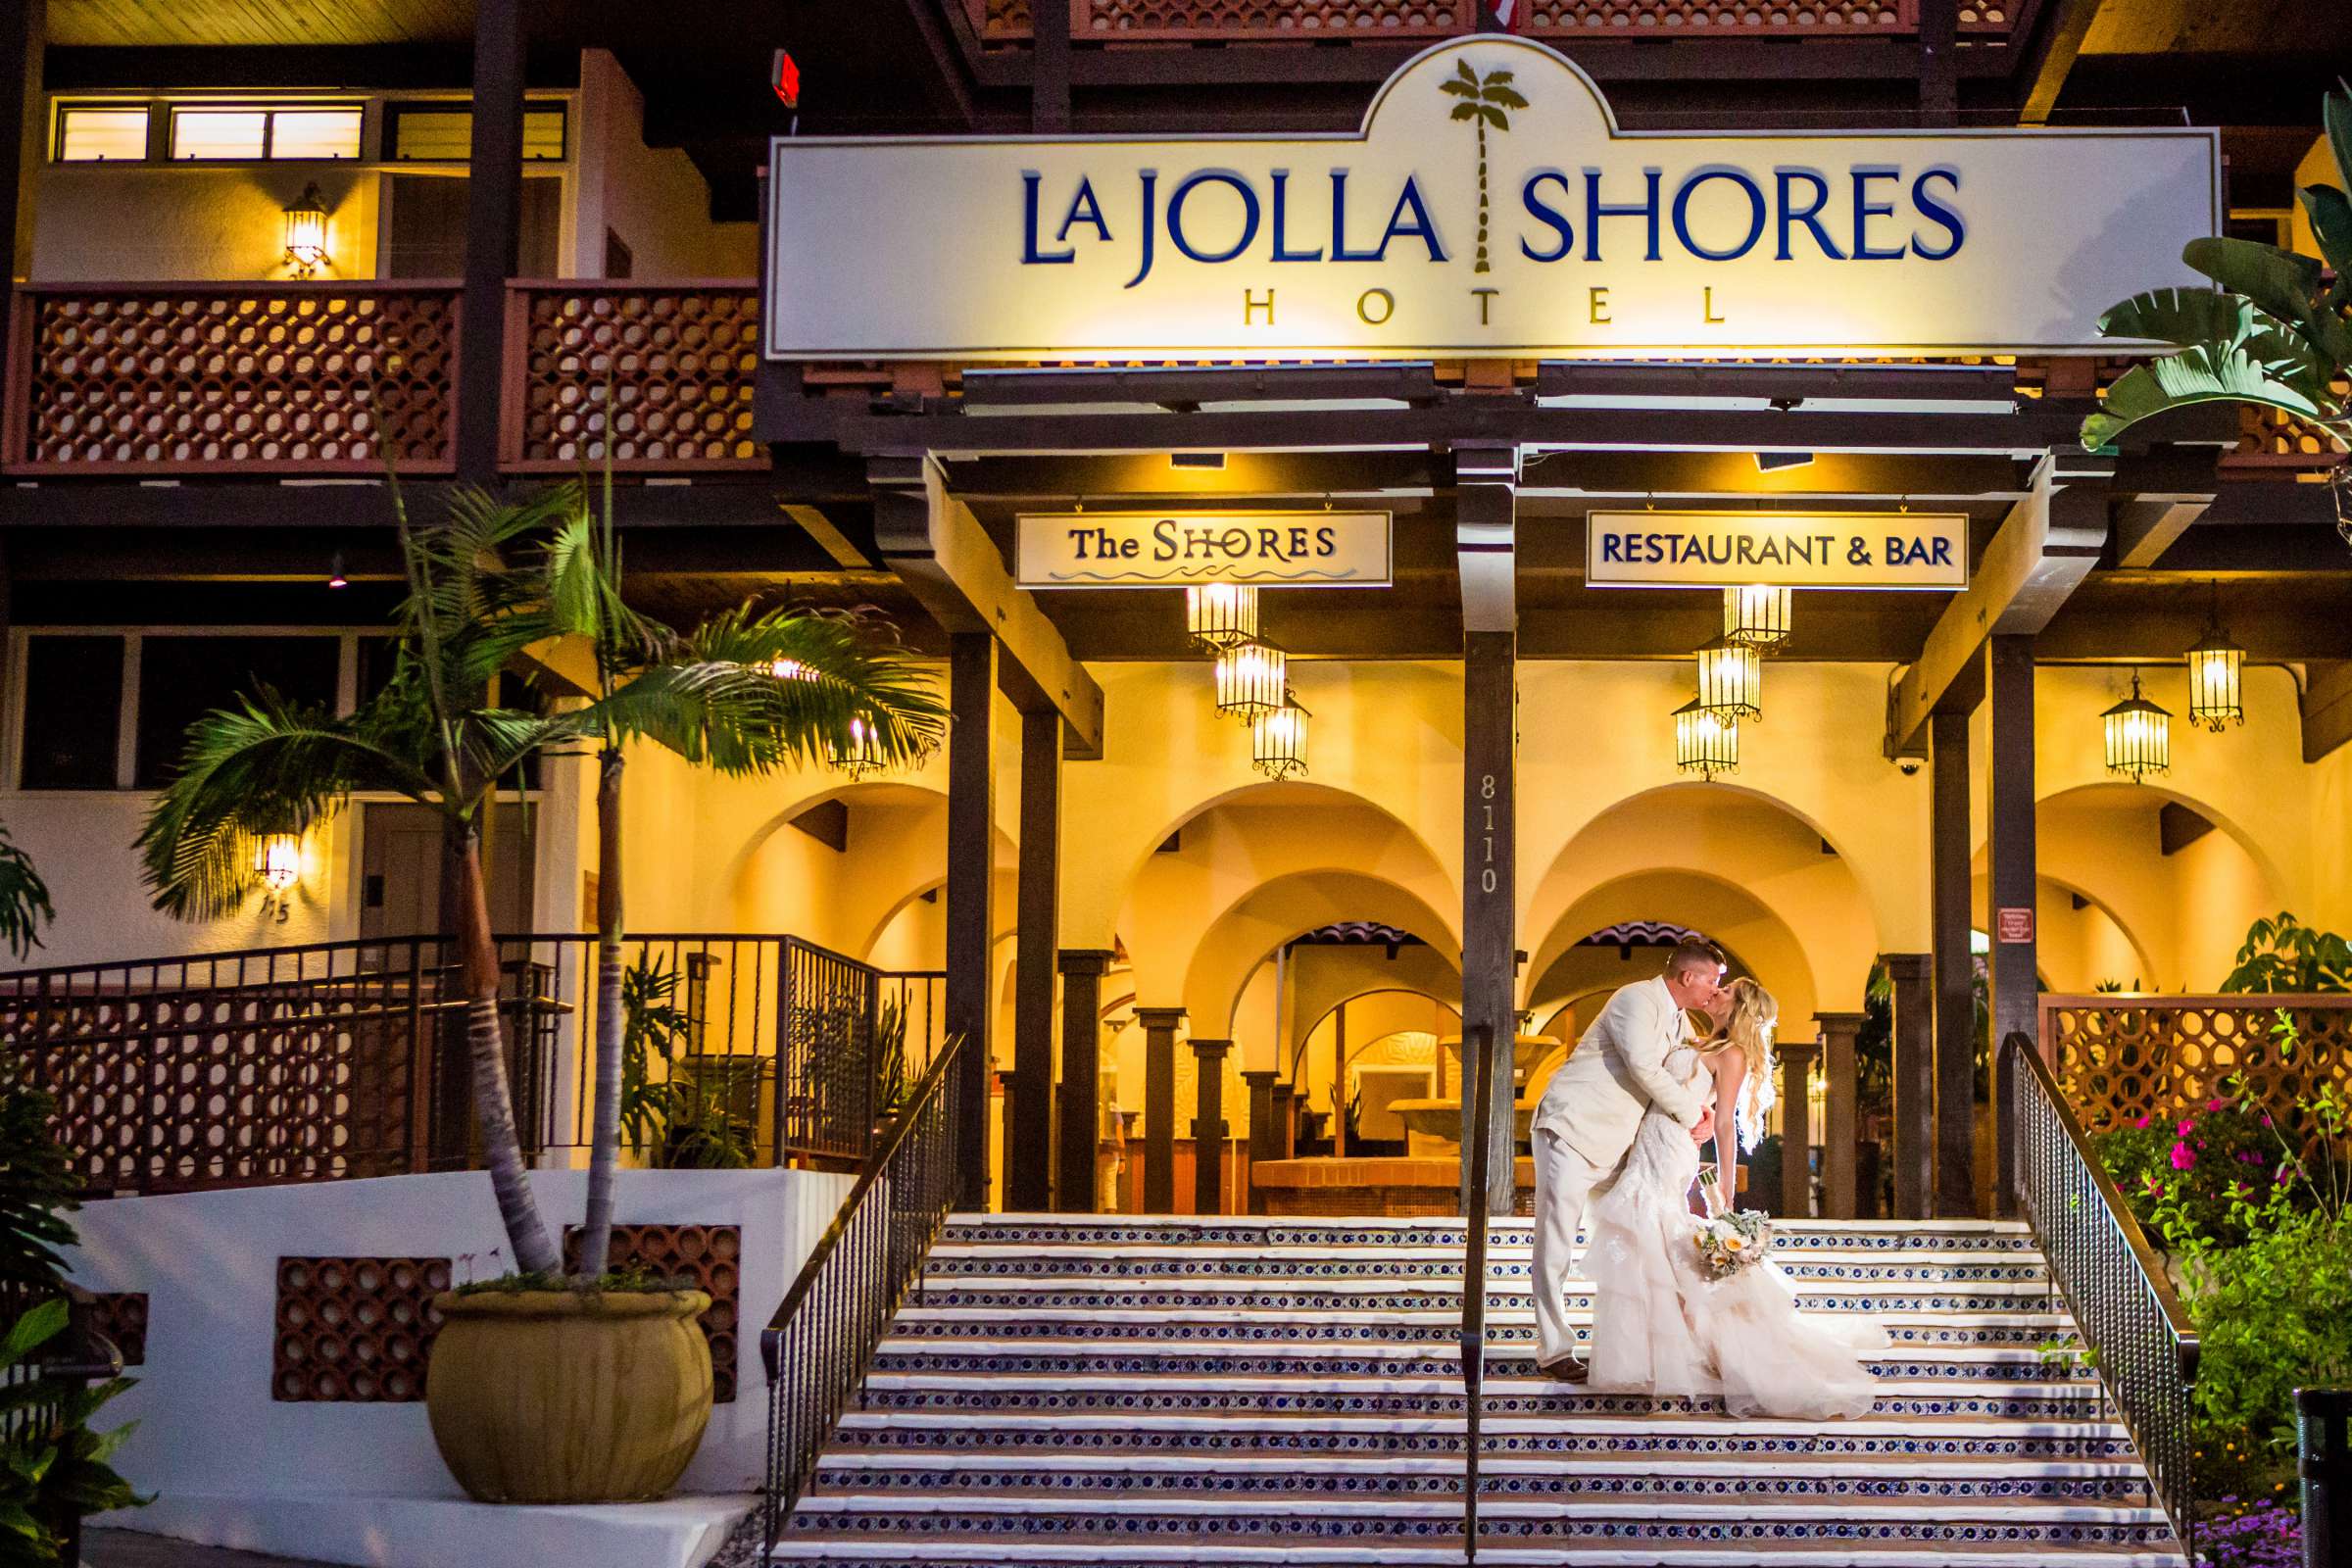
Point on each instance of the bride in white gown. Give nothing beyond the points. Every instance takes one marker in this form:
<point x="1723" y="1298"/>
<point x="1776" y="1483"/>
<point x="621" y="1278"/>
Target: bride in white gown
<point x="1662" y="1325"/>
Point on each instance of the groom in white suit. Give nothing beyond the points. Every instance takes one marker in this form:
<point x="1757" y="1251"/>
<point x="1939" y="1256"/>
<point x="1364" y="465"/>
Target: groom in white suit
<point x="1586" y="1119"/>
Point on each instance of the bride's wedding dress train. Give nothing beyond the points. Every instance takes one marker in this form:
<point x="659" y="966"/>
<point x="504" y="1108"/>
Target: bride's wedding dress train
<point x="1662" y="1325"/>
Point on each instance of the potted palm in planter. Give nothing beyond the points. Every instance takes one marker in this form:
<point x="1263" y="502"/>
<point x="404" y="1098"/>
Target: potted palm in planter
<point x="549" y="1386"/>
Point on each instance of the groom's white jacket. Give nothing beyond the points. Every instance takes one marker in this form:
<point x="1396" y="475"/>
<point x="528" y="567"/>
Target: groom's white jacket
<point x="1595" y="1102"/>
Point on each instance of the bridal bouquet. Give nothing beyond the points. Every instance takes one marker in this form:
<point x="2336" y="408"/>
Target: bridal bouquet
<point x="1730" y="1243"/>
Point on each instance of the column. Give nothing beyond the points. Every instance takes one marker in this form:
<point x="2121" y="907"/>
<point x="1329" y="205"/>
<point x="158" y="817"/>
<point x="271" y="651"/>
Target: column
<point x="1914" y="1151"/>
<point x="1286" y="1122"/>
<point x="1265" y="1133"/>
<point x="2015" y="983"/>
<point x="1949" y="899"/>
<point x="1159" y="1107"/>
<point x="1209" y="1126"/>
<point x="1489" y="972"/>
<point x="1074" y="1172"/>
<point x="1029" y="1155"/>
<point x="972" y="916"/>
<point x="1797" y="1129"/>
<point x="493" y="221"/>
<point x="1839" y="1197"/>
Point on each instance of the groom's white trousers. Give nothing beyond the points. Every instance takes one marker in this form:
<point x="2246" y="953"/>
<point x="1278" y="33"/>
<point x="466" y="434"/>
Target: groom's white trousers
<point x="1564" y="1181"/>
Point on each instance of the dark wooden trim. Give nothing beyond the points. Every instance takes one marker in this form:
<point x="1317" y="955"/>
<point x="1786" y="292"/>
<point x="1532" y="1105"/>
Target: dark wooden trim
<point x="1914" y="1132"/>
<point x="1840" y="1198"/>
<point x="493" y="207"/>
<point x="2013" y="881"/>
<point x="1490" y="889"/>
<point x="1208" y="1126"/>
<point x="2178" y="827"/>
<point x="1159" y="1107"/>
<point x="1075" y="1176"/>
<point x="1029" y="1160"/>
<point x="2056" y="38"/>
<point x="1265" y="1132"/>
<point x="971" y="875"/>
<point x="1938" y="61"/>
<point x="2326" y="708"/>
<point x="1796" y="1133"/>
<point x="1955" y="1037"/>
<point x="1050" y="71"/>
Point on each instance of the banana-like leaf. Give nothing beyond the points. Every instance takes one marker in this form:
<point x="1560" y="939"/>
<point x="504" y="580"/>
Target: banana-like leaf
<point x="2335" y="113"/>
<point x="2179" y="316"/>
<point x="2280" y="282"/>
<point x="2204" y="372"/>
<point x="2332" y="223"/>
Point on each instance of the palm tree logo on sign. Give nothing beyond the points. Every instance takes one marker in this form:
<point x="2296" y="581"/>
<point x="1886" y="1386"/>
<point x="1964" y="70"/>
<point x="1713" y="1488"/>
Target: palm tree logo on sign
<point x="1485" y="101"/>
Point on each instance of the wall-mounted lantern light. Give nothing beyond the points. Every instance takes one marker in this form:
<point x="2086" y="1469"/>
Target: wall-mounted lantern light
<point x="305" y="232"/>
<point x="277" y="861"/>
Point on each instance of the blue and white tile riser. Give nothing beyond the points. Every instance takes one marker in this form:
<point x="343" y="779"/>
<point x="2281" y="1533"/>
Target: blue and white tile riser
<point x="1131" y="1390"/>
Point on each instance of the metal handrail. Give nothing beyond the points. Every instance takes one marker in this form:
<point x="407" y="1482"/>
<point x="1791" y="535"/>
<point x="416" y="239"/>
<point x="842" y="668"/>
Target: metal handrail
<point x="2144" y="1344"/>
<point x="826" y="1328"/>
<point x="1477" y="1069"/>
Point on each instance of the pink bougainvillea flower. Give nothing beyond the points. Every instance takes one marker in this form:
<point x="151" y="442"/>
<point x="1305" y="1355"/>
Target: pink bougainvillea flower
<point x="2183" y="1156"/>
<point x="2186" y="1127"/>
<point x="2143" y="1121"/>
<point x="2155" y="1187"/>
<point x="2215" y="1104"/>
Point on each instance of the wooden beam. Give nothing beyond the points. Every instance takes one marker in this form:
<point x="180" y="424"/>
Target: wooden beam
<point x="2065" y="23"/>
<point x="1955" y="1043"/>
<point x="2326" y="706"/>
<point x="1914" y="1151"/>
<point x="493" y="223"/>
<point x="970" y="1004"/>
<point x="1029" y="1155"/>
<point x="2146" y="527"/>
<point x="2012" y="865"/>
<point x="1208" y="1124"/>
<point x="1490" y="931"/>
<point x="1797" y="1135"/>
<point x="1074" y="1173"/>
<point x="2047" y="545"/>
<point x="1484" y="524"/>
<point x="1840" y="1194"/>
<point x="1050" y="56"/>
<point x="1159" y="1107"/>
<point x="1938" y="61"/>
<point x="949" y="562"/>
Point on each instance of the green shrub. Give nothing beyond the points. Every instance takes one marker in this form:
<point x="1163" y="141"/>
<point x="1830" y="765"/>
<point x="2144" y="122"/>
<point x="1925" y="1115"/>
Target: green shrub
<point x="2199" y="1165"/>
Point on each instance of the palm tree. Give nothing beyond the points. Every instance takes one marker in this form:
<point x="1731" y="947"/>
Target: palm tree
<point x="1485" y="100"/>
<point x="435" y="735"/>
<point x="825" y="672"/>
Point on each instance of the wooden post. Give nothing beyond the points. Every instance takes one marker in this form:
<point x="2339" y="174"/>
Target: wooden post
<point x="1050" y="65"/>
<point x="1949" y="848"/>
<point x="1209" y="1126"/>
<point x="1286" y="1122"/>
<point x="2015" y="885"/>
<point x="1265" y="1133"/>
<point x="972" y="916"/>
<point x="24" y="149"/>
<point x="1029" y="1159"/>
<point x="1914" y="1151"/>
<point x="1489" y="970"/>
<point x="1159" y="1107"/>
<point x="1797" y="1129"/>
<point x="1938" y="61"/>
<point x="493" y="222"/>
<point x="1074" y="1175"/>
<point x="1842" y="1132"/>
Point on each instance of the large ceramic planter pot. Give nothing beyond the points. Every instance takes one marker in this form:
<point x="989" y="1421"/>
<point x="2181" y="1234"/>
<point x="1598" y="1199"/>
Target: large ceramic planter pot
<point x="553" y="1396"/>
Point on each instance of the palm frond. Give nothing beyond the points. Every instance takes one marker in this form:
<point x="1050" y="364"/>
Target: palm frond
<point x="896" y="694"/>
<point x="25" y="905"/>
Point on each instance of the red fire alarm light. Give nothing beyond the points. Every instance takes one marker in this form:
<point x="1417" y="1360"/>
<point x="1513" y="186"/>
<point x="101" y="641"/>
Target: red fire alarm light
<point x="785" y="77"/>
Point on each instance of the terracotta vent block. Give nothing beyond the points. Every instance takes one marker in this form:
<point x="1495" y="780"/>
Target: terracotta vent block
<point x="355" y="1330"/>
<point x="120" y="1316"/>
<point x="710" y="1255"/>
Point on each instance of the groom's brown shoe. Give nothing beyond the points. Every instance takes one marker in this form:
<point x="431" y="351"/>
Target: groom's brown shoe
<point x="1567" y="1369"/>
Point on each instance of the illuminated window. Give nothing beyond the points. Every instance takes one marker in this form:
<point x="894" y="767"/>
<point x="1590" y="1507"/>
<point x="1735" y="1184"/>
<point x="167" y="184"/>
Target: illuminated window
<point x="437" y="133"/>
<point x="101" y="135"/>
<point x="250" y="133"/>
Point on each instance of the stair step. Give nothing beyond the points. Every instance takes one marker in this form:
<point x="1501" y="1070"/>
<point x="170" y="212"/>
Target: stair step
<point x="1294" y="1262"/>
<point x="1505" y="1325"/>
<point x="1251" y="1230"/>
<point x="1047" y="1292"/>
<point x="817" y="1551"/>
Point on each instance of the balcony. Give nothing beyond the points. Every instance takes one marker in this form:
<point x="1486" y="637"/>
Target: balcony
<point x="1121" y="21"/>
<point x="151" y="380"/>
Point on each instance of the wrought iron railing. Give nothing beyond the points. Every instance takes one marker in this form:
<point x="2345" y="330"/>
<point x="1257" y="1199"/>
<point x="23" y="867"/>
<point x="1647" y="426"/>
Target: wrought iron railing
<point x="2144" y="1347"/>
<point x="347" y="1059"/>
<point x="841" y="1304"/>
<point x="1478" y="1067"/>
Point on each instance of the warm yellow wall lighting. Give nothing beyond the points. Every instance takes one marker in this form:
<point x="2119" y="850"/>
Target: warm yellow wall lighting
<point x="305" y="232"/>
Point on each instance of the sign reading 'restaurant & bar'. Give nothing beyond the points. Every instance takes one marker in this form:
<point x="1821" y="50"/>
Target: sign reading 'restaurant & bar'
<point x="1488" y="206"/>
<point x="1172" y="550"/>
<point x="1779" y="549"/>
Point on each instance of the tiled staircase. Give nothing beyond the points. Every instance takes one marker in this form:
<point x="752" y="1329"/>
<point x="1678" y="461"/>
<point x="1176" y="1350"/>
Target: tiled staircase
<point x="1122" y="1389"/>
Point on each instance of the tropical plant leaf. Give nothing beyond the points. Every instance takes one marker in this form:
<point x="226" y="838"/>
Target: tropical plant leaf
<point x="25" y="905"/>
<point x="2202" y="373"/>
<point x="2180" y="316"/>
<point x="2335" y="114"/>
<point x="2330" y="216"/>
<point x="2280" y="282"/>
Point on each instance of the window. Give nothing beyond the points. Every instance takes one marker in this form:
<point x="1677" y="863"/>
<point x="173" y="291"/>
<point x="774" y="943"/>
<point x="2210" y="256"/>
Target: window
<point x="87" y="135"/>
<point x="246" y="133"/>
<point x="434" y="133"/>
<point x="181" y="678"/>
<point x="73" y="703"/>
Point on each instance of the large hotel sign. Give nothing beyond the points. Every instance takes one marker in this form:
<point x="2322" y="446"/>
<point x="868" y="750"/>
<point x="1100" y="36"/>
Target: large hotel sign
<point x="1489" y="206"/>
<point x="1174" y="549"/>
<point x="1779" y="549"/>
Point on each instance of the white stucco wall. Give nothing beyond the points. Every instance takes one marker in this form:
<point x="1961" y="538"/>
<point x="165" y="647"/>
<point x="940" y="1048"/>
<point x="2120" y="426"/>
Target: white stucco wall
<point x="208" y="1261"/>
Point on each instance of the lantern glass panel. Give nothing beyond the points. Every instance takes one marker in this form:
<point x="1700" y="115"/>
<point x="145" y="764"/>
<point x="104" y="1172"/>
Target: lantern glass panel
<point x="1757" y="615"/>
<point x="1251" y="680"/>
<point x="2216" y="691"/>
<point x="2139" y="737"/>
<point x="1278" y="742"/>
<point x="1705" y="743"/>
<point x="1730" y="681"/>
<point x="1221" y="615"/>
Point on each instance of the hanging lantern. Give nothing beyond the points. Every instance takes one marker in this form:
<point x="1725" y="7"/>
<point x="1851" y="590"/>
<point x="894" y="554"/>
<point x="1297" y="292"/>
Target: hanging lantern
<point x="1730" y="681"/>
<point x="1278" y="741"/>
<point x="1221" y="615"/>
<point x="305" y="232"/>
<point x="2216" y="691"/>
<point x="2139" y="736"/>
<point x="863" y="753"/>
<point x="278" y="861"/>
<point x="1757" y="617"/>
<point x="1251" y="680"/>
<point x="1704" y="743"/>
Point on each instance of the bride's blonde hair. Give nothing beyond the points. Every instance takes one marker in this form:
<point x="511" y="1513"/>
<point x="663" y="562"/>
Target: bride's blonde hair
<point x="1748" y="1030"/>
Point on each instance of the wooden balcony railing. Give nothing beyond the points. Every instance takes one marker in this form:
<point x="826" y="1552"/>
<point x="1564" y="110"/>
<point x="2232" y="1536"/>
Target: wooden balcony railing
<point x="137" y="379"/>
<point x="2119" y="1057"/>
<point x="1114" y="22"/>
<point x="661" y="372"/>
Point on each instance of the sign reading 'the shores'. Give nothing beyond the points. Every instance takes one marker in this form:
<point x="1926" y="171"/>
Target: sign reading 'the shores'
<point x="1781" y="549"/>
<point x="1173" y="549"/>
<point x="1489" y="206"/>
